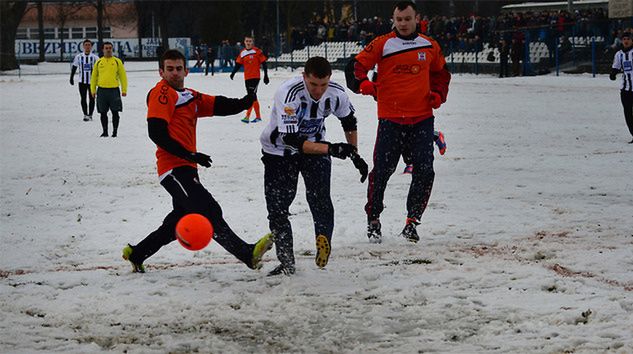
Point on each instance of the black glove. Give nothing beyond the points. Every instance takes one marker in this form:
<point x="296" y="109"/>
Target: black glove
<point x="232" y="75"/>
<point x="341" y="150"/>
<point x="201" y="159"/>
<point x="266" y="80"/>
<point x="361" y="166"/>
<point x="612" y="77"/>
<point x="72" y="80"/>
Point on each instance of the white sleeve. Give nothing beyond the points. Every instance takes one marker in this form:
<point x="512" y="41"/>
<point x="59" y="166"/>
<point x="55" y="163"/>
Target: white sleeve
<point x="286" y="112"/>
<point x="617" y="63"/>
<point x="76" y="61"/>
<point x="344" y="107"/>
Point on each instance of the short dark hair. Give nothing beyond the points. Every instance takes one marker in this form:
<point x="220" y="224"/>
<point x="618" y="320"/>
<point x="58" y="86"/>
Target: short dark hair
<point x="402" y="5"/>
<point x="106" y="43"/>
<point x="171" y="54"/>
<point x="86" y="41"/>
<point x="318" y="67"/>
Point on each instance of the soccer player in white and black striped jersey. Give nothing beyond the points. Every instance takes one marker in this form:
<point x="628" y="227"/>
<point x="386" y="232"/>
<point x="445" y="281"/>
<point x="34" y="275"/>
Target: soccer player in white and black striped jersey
<point x="294" y="144"/>
<point x="85" y="62"/>
<point x="623" y="63"/>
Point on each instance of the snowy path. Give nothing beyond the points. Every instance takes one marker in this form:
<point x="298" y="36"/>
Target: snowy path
<point x="529" y="226"/>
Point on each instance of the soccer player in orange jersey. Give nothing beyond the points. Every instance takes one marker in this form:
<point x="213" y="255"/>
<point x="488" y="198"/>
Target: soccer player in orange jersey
<point x="413" y="81"/>
<point x="252" y="58"/>
<point x="172" y="114"/>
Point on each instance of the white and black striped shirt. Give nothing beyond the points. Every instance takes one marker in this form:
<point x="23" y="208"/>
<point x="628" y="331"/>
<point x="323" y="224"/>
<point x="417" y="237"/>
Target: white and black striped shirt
<point x="623" y="60"/>
<point x="85" y="63"/>
<point x="294" y="111"/>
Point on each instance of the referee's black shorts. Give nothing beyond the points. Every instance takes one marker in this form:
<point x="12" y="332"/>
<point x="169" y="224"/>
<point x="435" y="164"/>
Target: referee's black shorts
<point x="109" y="99"/>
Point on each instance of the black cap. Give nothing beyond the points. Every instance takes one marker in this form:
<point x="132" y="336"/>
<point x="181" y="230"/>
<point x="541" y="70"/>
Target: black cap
<point x="626" y="34"/>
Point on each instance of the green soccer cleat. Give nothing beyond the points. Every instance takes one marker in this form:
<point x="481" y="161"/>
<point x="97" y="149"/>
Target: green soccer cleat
<point x="245" y="120"/>
<point x="323" y="251"/>
<point x="136" y="267"/>
<point x="261" y="247"/>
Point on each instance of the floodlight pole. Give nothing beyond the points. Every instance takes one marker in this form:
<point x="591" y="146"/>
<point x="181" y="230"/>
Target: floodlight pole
<point x="570" y="5"/>
<point x="278" y="40"/>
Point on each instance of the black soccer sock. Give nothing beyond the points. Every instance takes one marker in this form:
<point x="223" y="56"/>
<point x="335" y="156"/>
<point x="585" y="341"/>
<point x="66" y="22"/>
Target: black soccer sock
<point x="115" y="122"/>
<point x="104" y="122"/>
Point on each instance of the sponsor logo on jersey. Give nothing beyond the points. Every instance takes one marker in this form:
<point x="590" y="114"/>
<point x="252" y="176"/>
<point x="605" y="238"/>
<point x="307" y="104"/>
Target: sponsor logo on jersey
<point x="289" y="111"/>
<point x="406" y="69"/>
<point x="627" y="66"/>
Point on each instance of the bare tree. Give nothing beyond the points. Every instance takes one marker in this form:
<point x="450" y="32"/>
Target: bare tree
<point x="40" y="30"/>
<point x="11" y="13"/>
<point x="63" y="12"/>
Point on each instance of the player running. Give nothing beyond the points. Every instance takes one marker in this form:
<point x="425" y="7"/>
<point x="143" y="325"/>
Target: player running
<point x="294" y="143"/>
<point x="413" y="81"/>
<point x="172" y="114"/>
<point x="252" y="58"/>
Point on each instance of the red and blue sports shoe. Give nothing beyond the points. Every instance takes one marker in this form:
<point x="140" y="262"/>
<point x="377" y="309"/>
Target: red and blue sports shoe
<point x="440" y="142"/>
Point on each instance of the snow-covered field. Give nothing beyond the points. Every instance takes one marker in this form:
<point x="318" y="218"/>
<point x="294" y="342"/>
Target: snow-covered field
<point x="527" y="244"/>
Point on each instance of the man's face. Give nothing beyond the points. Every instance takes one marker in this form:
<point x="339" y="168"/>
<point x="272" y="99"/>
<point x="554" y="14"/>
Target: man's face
<point x="87" y="47"/>
<point x="405" y="20"/>
<point x="248" y="42"/>
<point x="316" y="86"/>
<point x="107" y="50"/>
<point x="627" y="41"/>
<point x="174" y="72"/>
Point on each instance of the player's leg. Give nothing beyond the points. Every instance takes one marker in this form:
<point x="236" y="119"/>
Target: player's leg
<point x="387" y="151"/>
<point x="627" y="104"/>
<point x="281" y="175"/>
<point x="251" y="87"/>
<point x="116" y="107"/>
<point x="83" y="92"/>
<point x="419" y="138"/>
<point x="91" y="102"/>
<point x="316" y="171"/>
<point x="102" y="107"/>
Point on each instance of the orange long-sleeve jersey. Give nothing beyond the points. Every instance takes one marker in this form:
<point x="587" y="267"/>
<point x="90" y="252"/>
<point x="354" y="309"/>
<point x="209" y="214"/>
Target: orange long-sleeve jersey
<point x="181" y="110"/>
<point x="251" y="59"/>
<point x="409" y="69"/>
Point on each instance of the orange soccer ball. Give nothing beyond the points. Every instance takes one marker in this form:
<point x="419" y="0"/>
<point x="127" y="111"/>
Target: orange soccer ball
<point x="194" y="231"/>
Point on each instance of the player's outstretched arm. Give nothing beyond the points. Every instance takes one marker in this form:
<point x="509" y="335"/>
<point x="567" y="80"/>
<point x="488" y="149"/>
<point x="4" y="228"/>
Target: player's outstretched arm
<point x="229" y="106"/>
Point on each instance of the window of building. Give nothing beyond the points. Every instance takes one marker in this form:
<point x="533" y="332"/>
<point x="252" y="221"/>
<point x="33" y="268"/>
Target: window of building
<point x="63" y="33"/>
<point x="77" y="33"/>
<point x="49" y="33"/>
<point x="91" y="32"/>
<point x="107" y="32"/>
<point x="22" y="33"/>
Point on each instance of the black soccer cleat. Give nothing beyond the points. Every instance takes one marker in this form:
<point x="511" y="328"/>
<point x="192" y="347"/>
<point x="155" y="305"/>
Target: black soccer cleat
<point x="282" y="269"/>
<point x="409" y="232"/>
<point x="373" y="232"/>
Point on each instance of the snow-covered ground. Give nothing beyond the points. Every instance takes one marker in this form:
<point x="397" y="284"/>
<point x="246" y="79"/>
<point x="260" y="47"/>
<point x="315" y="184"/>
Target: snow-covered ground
<point x="527" y="243"/>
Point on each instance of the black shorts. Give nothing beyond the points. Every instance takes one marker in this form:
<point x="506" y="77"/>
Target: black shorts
<point x="251" y="85"/>
<point x="109" y="99"/>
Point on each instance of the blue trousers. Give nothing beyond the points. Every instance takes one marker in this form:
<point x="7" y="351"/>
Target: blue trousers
<point x="415" y="143"/>
<point x="281" y="175"/>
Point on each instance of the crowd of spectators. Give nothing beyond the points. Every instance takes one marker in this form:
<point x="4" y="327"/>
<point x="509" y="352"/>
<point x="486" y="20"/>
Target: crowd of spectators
<point x="465" y="33"/>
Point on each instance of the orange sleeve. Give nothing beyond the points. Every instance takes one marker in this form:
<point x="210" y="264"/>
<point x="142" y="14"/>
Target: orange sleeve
<point x="439" y="61"/>
<point x="161" y="103"/>
<point x="206" y="105"/>
<point x="239" y="57"/>
<point x="262" y="57"/>
<point x="371" y="54"/>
